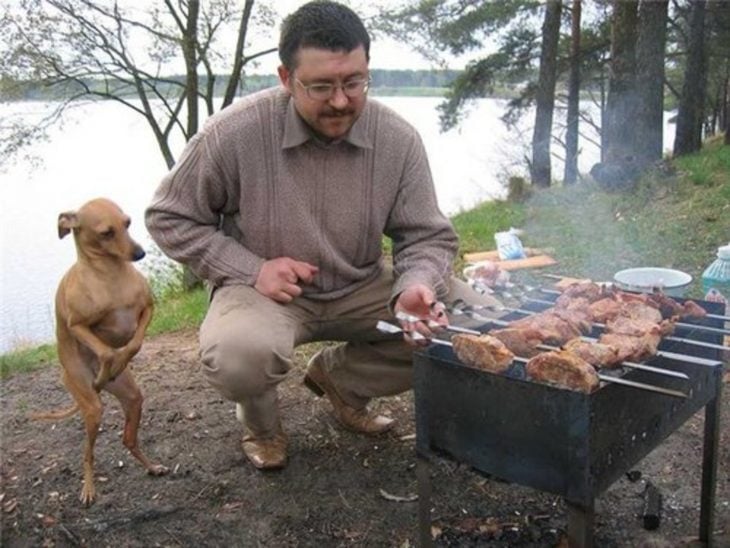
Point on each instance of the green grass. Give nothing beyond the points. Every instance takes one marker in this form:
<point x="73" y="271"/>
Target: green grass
<point x="26" y="359"/>
<point x="179" y="311"/>
<point x="675" y="219"/>
<point x="476" y="227"/>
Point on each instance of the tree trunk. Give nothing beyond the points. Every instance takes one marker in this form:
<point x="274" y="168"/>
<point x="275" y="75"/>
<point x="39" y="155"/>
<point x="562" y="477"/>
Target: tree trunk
<point x="540" y="168"/>
<point x="573" y="115"/>
<point x="238" y="60"/>
<point x="650" y="81"/>
<point x="189" y="46"/>
<point x="726" y="111"/>
<point x="691" y="102"/>
<point x="617" y="136"/>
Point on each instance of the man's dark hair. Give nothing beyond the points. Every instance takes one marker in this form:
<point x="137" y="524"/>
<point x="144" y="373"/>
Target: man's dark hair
<point x="321" y="24"/>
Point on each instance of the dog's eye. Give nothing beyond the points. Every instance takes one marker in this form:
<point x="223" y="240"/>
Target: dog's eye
<point x="127" y="223"/>
<point x="108" y="234"/>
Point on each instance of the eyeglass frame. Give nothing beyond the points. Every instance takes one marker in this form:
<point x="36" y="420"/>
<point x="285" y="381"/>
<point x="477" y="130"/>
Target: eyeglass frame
<point x="365" y="82"/>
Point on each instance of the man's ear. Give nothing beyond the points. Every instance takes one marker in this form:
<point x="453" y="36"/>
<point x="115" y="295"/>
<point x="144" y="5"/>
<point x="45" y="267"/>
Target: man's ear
<point x="284" y="77"/>
<point x="66" y="222"/>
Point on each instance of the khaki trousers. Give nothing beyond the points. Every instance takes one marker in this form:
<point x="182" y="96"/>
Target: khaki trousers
<point x="247" y="344"/>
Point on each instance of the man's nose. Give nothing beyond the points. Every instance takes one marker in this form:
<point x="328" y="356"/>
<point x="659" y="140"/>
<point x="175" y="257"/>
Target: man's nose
<point x="339" y="99"/>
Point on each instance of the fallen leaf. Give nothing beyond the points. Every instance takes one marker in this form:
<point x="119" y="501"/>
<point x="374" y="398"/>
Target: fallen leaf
<point x="10" y="506"/>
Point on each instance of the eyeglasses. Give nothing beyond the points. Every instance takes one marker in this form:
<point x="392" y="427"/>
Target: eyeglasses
<point x="324" y="92"/>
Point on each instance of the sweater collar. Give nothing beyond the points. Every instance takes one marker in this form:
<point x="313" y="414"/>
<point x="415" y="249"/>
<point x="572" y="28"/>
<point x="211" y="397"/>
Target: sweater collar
<point x="297" y="132"/>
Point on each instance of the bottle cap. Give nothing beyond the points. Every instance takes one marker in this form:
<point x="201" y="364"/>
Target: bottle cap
<point x="723" y="252"/>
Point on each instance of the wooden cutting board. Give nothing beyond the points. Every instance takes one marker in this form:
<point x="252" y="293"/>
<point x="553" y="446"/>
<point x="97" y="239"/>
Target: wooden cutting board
<point x="535" y="259"/>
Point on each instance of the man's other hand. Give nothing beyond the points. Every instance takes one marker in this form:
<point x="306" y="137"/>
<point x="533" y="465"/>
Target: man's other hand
<point x="281" y="279"/>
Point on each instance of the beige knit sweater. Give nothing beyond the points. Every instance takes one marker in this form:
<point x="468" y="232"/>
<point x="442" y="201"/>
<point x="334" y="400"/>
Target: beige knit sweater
<point x="254" y="184"/>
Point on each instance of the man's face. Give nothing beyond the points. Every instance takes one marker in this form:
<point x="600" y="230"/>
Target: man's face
<point x="332" y="117"/>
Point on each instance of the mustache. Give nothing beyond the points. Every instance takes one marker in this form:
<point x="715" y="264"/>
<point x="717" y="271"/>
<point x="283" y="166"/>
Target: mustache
<point x="332" y="113"/>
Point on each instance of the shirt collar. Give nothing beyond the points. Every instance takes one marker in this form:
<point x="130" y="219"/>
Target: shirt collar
<point x="297" y="132"/>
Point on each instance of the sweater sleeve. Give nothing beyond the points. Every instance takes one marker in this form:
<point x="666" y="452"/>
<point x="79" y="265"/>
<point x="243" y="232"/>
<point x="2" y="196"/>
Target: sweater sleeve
<point x="184" y="217"/>
<point x="424" y="241"/>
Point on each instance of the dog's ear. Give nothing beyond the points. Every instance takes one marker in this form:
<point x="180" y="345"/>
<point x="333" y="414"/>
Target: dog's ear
<point x="67" y="221"/>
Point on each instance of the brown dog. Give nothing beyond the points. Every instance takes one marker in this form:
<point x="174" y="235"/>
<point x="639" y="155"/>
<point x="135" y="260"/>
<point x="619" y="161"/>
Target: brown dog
<point x="103" y="307"/>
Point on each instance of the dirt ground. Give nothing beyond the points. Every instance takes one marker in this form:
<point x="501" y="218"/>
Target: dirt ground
<point x="339" y="489"/>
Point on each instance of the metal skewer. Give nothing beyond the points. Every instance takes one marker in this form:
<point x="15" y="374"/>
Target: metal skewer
<point x="630" y="365"/>
<point x="386" y="327"/>
<point x="556" y="292"/>
<point x="667" y="338"/>
<point x="661" y="353"/>
<point x="680" y="324"/>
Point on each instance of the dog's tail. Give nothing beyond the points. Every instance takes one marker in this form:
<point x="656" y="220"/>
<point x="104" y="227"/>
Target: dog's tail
<point x="56" y="415"/>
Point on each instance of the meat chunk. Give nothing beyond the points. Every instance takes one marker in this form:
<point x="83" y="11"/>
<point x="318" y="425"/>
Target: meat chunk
<point x="691" y="309"/>
<point x="669" y="307"/>
<point x="604" y="309"/>
<point x="586" y="290"/>
<point x="553" y="329"/>
<point x="483" y="352"/>
<point x="563" y="369"/>
<point x="601" y="356"/>
<point x="521" y="342"/>
<point x="635" y="349"/>
<point x="635" y="327"/>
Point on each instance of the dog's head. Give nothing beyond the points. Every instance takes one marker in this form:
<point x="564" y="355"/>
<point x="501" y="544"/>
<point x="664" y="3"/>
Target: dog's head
<point x="100" y="228"/>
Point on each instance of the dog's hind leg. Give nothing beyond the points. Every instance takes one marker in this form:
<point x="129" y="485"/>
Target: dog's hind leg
<point x="90" y="405"/>
<point x="125" y="389"/>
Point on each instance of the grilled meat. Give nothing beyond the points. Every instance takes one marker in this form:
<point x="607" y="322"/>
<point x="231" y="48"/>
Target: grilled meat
<point x="604" y="309"/>
<point x="599" y="355"/>
<point x="563" y="369"/>
<point x="630" y="348"/>
<point x="483" y="352"/>
<point x="522" y="342"/>
<point x="635" y="327"/>
<point x="583" y="290"/>
<point x="553" y="328"/>
<point x="593" y="292"/>
<point x="669" y="307"/>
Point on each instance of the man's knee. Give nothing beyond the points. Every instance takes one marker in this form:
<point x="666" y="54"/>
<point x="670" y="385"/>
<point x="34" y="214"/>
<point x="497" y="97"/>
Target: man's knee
<point x="242" y="367"/>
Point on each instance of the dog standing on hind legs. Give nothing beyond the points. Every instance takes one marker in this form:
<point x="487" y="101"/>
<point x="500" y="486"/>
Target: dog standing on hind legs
<point x="103" y="308"/>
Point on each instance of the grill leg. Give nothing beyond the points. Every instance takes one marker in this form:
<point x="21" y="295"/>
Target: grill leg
<point x="424" y="502"/>
<point x="709" y="468"/>
<point x="580" y="525"/>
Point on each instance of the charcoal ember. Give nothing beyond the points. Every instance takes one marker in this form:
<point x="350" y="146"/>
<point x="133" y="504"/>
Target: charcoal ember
<point x="652" y="511"/>
<point x="633" y="475"/>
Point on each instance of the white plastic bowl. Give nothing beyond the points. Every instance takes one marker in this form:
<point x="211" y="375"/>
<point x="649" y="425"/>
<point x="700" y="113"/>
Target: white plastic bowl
<point x="645" y="280"/>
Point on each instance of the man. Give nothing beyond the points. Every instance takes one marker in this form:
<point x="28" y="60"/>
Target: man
<point x="281" y="202"/>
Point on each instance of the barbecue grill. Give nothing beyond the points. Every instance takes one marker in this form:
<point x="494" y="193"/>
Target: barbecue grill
<point x="568" y="443"/>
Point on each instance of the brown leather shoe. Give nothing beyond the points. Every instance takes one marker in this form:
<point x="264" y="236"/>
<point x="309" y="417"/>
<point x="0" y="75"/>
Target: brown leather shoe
<point x="265" y="453"/>
<point x="357" y="420"/>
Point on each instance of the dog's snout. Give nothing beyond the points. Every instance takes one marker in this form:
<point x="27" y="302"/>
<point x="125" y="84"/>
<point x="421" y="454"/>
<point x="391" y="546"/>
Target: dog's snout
<point x="138" y="253"/>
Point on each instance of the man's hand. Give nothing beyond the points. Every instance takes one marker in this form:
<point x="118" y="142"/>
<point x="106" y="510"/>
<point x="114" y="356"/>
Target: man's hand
<point x="280" y="279"/>
<point x="420" y="302"/>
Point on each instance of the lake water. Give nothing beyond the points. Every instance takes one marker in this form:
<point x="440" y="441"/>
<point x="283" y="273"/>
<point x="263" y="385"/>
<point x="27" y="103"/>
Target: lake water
<point x="106" y="150"/>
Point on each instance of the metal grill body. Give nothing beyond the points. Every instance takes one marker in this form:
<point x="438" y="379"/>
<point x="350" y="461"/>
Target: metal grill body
<point x="568" y="443"/>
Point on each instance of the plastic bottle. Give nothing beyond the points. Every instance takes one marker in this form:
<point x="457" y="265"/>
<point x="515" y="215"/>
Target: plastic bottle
<point x="716" y="278"/>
